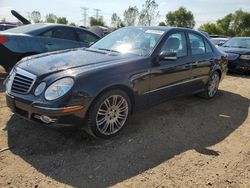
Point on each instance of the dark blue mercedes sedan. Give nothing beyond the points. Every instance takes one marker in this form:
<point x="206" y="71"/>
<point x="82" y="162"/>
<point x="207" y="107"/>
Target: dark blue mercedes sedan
<point x="98" y="88"/>
<point x="238" y="50"/>
<point x="39" y="38"/>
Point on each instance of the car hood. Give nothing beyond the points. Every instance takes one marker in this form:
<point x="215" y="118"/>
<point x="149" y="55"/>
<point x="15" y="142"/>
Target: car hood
<point x="49" y="63"/>
<point x="241" y="51"/>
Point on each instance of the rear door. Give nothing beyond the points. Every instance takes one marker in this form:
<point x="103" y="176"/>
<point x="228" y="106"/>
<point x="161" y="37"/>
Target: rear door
<point x="171" y="77"/>
<point x="60" y="38"/>
<point x="202" y="59"/>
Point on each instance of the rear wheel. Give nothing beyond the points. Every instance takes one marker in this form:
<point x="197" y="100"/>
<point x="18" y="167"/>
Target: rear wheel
<point x="109" y="113"/>
<point x="212" y="86"/>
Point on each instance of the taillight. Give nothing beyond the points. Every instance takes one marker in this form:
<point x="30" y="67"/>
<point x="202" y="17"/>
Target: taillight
<point x="3" y="39"/>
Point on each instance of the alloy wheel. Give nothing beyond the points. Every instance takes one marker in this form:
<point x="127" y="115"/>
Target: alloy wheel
<point x="112" y="114"/>
<point x="213" y="84"/>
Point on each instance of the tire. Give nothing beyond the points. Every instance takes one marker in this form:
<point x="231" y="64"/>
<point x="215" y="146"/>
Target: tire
<point x="211" y="87"/>
<point x="108" y="114"/>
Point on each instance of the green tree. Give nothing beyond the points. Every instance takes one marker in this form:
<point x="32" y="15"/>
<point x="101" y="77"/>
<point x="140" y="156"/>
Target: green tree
<point x="96" y="21"/>
<point x="162" y="24"/>
<point x="72" y="24"/>
<point x="51" y="18"/>
<point x="35" y="16"/>
<point x="240" y="24"/>
<point x="115" y="21"/>
<point x="62" y="20"/>
<point x="212" y="29"/>
<point x="180" y="18"/>
<point x="225" y="23"/>
<point x="130" y="15"/>
<point x="234" y="24"/>
<point x="148" y="13"/>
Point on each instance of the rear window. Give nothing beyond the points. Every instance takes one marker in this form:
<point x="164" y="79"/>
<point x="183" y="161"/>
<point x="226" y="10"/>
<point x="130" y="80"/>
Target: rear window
<point x="208" y="47"/>
<point x="197" y="44"/>
<point x="61" y="33"/>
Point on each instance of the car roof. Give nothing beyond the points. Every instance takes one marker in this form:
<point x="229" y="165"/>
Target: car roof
<point x="163" y="28"/>
<point x="38" y="28"/>
<point x="45" y="25"/>
<point x="219" y="38"/>
<point x="241" y="38"/>
<point x="168" y="28"/>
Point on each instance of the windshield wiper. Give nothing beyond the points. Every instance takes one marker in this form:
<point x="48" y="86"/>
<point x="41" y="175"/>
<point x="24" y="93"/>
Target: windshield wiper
<point x="109" y="50"/>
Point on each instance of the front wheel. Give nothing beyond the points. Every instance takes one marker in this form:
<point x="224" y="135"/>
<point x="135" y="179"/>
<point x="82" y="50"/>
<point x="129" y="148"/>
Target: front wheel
<point x="109" y="113"/>
<point x="212" y="86"/>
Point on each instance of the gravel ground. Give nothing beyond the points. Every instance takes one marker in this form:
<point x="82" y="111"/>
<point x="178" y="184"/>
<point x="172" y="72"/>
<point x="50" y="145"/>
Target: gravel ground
<point x="184" y="142"/>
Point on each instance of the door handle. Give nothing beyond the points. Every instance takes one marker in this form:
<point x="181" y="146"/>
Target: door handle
<point x="49" y="44"/>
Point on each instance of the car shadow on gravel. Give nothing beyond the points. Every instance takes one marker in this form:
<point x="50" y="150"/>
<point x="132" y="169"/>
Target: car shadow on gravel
<point x="152" y="137"/>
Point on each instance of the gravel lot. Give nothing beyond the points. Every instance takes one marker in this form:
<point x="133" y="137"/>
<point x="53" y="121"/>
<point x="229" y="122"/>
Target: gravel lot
<point x="185" y="142"/>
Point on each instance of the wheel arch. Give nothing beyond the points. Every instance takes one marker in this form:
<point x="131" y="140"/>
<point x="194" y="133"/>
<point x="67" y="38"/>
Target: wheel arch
<point x="121" y="87"/>
<point x="216" y="69"/>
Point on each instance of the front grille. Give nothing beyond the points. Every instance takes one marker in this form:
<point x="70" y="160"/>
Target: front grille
<point x="22" y="82"/>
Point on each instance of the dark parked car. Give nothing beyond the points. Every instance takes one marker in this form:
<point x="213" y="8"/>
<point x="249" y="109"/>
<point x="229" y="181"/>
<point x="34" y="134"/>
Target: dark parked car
<point x="5" y="26"/>
<point x="101" y="86"/>
<point x="238" y="50"/>
<point x="219" y="41"/>
<point x="39" y="38"/>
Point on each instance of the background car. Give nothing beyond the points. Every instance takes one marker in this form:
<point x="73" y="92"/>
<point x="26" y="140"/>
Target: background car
<point x="219" y="41"/>
<point x="33" y="39"/>
<point x="5" y="26"/>
<point x="238" y="50"/>
<point x="98" y="88"/>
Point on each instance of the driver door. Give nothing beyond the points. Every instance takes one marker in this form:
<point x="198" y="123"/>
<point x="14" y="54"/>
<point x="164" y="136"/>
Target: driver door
<point x="171" y="77"/>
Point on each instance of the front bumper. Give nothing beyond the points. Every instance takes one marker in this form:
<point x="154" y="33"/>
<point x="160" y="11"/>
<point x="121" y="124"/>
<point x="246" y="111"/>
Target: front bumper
<point x="73" y="115"/>
<point x="238" y="65"/>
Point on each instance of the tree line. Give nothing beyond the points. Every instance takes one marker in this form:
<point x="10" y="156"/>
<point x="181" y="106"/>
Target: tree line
<point x="234" y="24"/>
<point x="36" y="17"/>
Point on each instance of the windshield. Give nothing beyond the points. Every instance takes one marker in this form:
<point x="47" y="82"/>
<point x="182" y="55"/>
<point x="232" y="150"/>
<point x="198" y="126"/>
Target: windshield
<point x="138" y="41"/>
<point x="25" y="28"/>
<point x="238" y="43"/>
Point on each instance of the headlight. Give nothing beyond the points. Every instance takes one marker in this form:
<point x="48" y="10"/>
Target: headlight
<point x="245" y="57"/>
<point x="40" y="88"/>
<point x="58" y="88"/>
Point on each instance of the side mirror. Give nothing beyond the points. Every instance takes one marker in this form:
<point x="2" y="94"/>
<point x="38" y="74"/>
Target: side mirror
<point x="168" y="55"/>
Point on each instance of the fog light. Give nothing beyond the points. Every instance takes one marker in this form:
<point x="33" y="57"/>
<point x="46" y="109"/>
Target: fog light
<point x="46" y="119"/>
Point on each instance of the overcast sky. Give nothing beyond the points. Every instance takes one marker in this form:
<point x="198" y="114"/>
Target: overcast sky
<point x="203" y="10"/>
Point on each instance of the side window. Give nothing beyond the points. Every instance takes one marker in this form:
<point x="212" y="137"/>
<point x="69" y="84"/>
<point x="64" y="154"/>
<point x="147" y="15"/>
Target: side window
<point x="47" y="34"/>
<point x="64" y="33"/>
<point x="208" y="47"/>
<point x="176" y="43"/>
<point x="61" y="33"/>
<point x="197" y="44"/>
<point x="86" y="37"/>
